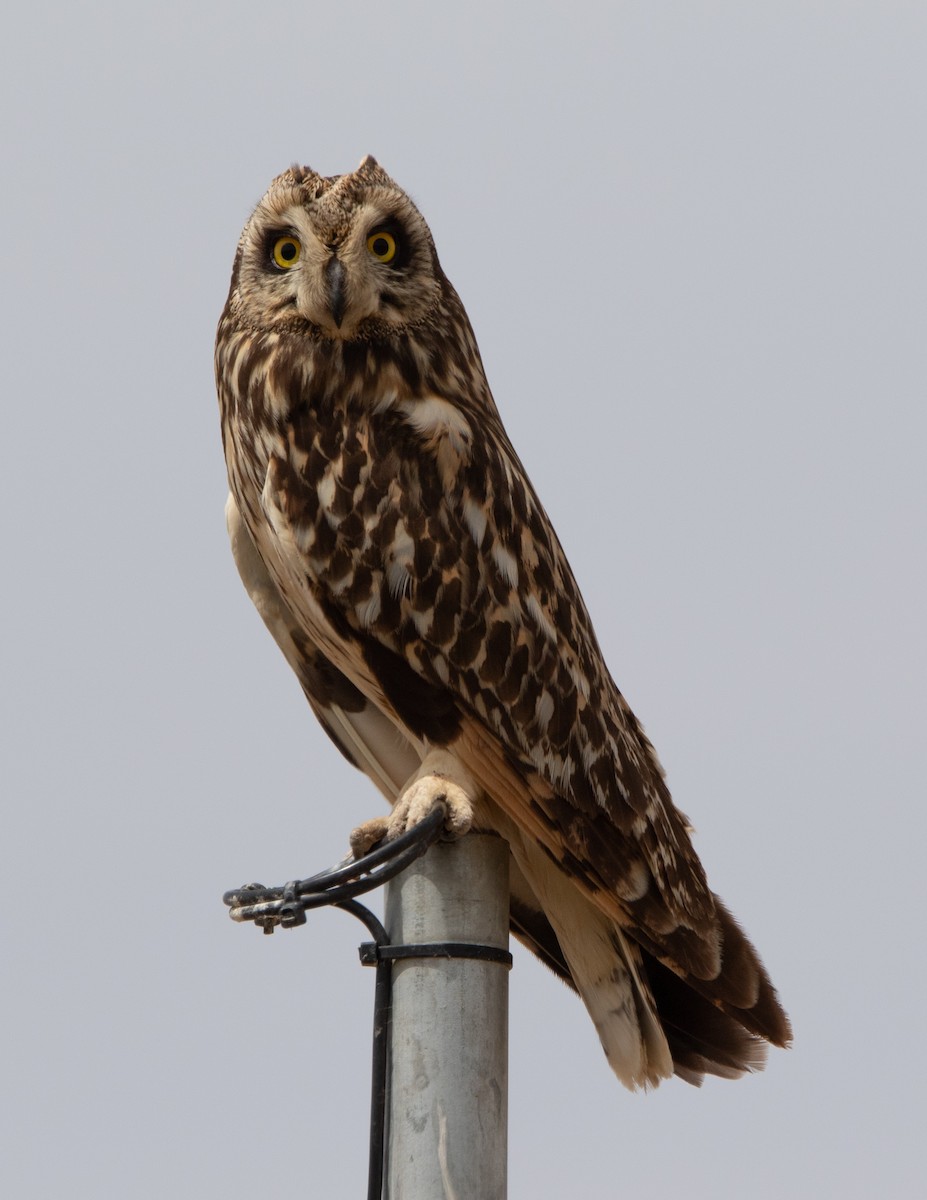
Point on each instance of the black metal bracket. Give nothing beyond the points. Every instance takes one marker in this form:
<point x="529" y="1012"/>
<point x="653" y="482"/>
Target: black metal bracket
<point x="372" y="953"/>
<point x="287" y="905"/>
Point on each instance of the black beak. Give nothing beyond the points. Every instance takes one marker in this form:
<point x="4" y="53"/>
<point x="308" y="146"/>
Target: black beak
<point x="336" y="277"/>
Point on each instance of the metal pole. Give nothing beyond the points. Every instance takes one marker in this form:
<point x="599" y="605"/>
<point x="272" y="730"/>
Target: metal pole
<point x="448" y="1084"/>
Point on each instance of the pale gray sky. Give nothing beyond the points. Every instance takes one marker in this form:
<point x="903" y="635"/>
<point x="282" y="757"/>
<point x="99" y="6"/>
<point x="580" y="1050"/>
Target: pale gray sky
<point x="690" y="238"/>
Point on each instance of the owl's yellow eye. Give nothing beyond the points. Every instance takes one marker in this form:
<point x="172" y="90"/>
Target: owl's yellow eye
<point x="382" y="245"/>
<point x="286" y="251"/>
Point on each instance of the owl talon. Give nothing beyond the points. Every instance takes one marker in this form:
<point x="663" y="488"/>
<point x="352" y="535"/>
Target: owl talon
<point x="419" y="800"/>
<point x="416" y="803"/>
<point x="366" y="836"/>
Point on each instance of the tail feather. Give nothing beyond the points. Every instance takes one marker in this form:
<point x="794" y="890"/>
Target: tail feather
<point x="585" y="947"/>
<point x="702" y="1039"/>
<point x="651" y="1021"/>
<point x="741" y="988"/>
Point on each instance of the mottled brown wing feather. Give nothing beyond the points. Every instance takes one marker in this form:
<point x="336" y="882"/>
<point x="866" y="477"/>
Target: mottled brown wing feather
<point x="470" y="609"/>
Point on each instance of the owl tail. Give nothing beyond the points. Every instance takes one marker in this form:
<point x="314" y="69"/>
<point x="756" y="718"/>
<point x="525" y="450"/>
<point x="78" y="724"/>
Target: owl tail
<point x="651" y="1022"/>
<point x="592" y="954"/>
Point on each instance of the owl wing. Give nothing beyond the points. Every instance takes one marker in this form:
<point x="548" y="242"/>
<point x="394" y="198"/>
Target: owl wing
<point x="417" y="558"/>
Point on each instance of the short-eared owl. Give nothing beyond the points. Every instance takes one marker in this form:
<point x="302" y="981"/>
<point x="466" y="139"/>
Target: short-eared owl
<point x="390" y="539"/>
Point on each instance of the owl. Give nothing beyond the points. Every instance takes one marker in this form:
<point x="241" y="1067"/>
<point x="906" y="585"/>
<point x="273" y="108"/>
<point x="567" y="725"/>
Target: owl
<point x="388" y="535"/>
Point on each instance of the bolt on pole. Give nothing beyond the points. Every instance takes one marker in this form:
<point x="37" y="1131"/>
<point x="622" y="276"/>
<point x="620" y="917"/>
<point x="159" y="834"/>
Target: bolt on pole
<point x="448" y="1073"/>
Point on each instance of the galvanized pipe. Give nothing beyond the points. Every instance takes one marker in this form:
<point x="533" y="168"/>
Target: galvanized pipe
<point x="448" y="1072"/>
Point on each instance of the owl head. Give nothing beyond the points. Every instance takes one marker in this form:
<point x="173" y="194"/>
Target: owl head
<point x="342" y="257"/>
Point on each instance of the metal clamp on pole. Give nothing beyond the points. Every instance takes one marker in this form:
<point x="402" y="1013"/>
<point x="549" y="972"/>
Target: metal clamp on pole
<point x="371" y="953"/>
<point x="439" y="1086"/>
